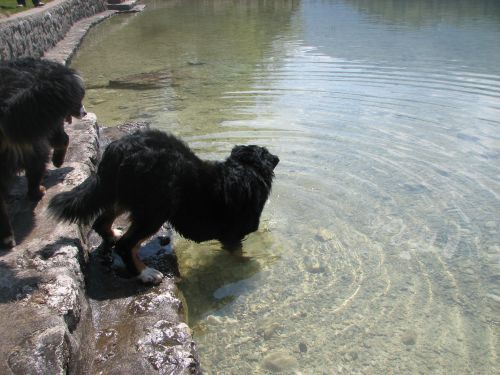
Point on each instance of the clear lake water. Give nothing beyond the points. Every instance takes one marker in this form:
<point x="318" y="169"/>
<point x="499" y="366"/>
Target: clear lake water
<point x="379" y="250"/>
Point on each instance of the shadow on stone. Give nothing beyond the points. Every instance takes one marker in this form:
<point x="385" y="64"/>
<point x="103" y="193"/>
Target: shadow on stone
<point x="21" y="208"/>
<point x="54" y="249"/>
<point x="56" y="176"/>
<point x="106" y="283"/>
<point x="15" y="286"/>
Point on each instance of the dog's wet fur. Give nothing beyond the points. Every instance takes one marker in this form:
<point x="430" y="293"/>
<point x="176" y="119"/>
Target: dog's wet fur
<point x="36" y="97"/>
<point x="156" y="178"/>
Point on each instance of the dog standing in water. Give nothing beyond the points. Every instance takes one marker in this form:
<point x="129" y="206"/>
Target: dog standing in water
<point x="156" y="178"/>
<point x="36" y="98"/>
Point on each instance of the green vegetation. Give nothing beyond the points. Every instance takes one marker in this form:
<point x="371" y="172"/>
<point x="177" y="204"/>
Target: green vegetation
<point x="9" y="7"/>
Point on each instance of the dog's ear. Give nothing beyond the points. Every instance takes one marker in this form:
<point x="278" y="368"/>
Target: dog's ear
<point x="244" y="154"/>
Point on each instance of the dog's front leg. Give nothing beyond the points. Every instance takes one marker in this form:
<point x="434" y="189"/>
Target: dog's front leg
<point x="233" y="246"/>
<point x="6" y="233"/>
<point x="35" y="169"/>
<point x="59" y="141"/>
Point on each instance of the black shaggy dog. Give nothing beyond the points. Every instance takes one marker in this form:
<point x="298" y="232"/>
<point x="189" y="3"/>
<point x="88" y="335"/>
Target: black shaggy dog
<point x="36" y="97"/>
<point x="155" y="177"/>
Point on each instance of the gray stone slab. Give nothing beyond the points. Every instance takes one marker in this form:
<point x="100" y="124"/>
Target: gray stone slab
<point x="45" y="317"/>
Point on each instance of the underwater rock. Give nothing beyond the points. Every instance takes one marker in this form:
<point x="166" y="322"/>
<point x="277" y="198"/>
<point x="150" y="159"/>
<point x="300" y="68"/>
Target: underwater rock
<point x="268" y="328"/>
<point x="313" y="265"/>
<point x="140" y="81"/>
<point x="279" y="361"/>
<point x="409" y="338"/>
<point x="351" y="356"/>
<point x="325" y="235"/>
<point x="195" y="62"/>
<point x="302" y="347"/>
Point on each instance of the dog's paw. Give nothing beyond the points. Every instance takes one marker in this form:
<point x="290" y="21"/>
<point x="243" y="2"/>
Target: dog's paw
<point x="7" y="242"/>
<point x="58" y="157"/>
<point x="150" y="276"/>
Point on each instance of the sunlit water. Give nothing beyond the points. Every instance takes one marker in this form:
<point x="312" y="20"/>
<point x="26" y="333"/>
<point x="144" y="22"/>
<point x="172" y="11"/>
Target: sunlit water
<point x="379" y="249"/>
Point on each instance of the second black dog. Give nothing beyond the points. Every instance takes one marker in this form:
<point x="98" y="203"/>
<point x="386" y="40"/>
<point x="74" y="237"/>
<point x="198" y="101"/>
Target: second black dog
<point x="155" y="177"/>
<point x="36" y="97"/>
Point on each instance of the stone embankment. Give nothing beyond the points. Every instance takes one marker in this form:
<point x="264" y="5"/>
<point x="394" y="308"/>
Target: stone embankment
<point x="33" y="32"/>
<point x="62" y="309"/>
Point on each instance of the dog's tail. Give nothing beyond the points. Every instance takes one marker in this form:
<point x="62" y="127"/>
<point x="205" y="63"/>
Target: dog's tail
<point x="81" y="204"/>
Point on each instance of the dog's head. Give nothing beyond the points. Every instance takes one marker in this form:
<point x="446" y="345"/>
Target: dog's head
<point x="76" y="108"/>
<point x="257" y="157"/>
<point x="250" y="175"/>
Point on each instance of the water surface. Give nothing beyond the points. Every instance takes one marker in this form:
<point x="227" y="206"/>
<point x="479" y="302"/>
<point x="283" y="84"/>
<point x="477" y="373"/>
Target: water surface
<point x="379" y="249"/>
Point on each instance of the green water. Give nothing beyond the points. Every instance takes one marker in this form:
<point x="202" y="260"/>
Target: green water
<point x="379" y="250"/>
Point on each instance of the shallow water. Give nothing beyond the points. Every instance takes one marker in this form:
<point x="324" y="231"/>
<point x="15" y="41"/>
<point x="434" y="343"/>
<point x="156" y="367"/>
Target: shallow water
<point x="379" y="249"/>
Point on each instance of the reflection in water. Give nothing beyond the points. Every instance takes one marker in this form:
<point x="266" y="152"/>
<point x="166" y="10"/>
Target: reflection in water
<point x="422" y="13"/>
<point x="379" y="249"/>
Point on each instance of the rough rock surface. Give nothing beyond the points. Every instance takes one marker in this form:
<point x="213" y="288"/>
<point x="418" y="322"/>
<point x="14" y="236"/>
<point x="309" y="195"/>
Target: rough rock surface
<point x="45" y="317"/>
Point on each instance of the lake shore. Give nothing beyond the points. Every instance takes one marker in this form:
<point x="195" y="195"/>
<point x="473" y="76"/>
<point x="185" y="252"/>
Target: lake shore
<point x="53" y="316"/>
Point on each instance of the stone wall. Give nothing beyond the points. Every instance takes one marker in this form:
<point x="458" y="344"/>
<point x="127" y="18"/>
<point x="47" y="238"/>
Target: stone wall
<point x="33" y="32"/>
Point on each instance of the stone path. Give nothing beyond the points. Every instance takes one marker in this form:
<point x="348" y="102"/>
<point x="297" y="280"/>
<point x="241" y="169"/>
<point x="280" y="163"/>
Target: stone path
<point x="64" y="50"/>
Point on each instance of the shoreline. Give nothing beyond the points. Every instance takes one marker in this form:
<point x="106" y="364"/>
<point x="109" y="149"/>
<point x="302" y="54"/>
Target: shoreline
<point x="54" y="318"/>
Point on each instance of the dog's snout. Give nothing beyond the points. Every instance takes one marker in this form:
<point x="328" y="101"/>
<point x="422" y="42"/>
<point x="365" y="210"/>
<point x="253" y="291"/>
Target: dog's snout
<point x="275" y="161"/>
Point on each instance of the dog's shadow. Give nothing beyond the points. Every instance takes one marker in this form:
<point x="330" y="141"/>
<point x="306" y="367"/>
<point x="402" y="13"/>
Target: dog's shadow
<point x="106" y="283"/>
<point x="217" y="282"/>
<point x="22" y="210"/>
<point x="56" y="176"/>
<point x="198" y="285"/>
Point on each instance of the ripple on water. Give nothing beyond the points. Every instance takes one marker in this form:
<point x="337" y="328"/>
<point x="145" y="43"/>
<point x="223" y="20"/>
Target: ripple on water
<point x="374" y="217"/>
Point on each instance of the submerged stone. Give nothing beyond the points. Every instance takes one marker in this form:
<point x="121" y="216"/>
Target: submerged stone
<point x="409" y="338"/>
<point x="279" y="361"/>
<point x="302" y="347"/>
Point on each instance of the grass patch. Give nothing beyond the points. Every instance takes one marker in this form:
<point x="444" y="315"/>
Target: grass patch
<point x="8" y="7"/>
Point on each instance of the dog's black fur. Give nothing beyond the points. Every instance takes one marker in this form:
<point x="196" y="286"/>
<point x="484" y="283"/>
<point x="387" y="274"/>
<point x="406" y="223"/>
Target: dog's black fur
<point x="157" y="178"/>
<point x="36" y="97"/>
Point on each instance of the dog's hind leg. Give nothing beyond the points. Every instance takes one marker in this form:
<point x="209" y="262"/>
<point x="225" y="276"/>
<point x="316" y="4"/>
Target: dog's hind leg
<point x="128" y="248"/>
<point x="6" y="233"/>
<point x="103" y="225"/>
<point x="59" y="141"/>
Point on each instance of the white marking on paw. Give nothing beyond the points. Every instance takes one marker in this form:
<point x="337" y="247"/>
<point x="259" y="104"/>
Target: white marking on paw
<point x="117" y="233"/>
<point x="150" y="275"/>
<point x="9" y="241"/>
<point x="113" y="236"/>
<point x="117" y="262"/>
